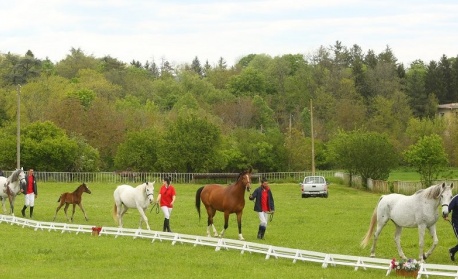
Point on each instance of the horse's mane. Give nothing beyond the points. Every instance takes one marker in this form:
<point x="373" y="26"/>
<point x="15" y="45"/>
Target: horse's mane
<point x="431" y="192"/>
<point x="243" y="173"/>
<point x="15" y="175"/>
<point x="82" y="185"/>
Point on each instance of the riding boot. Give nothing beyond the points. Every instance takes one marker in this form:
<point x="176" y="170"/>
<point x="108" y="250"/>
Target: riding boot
<point x="31" y="211"/>
<point x="164" y="227"/>
<point x="452" y="252"/>
<point x="168" y="225"/>
<point x="23" y="211"/>
<point x="260" y="232"/>
<point x="263" y="231"/>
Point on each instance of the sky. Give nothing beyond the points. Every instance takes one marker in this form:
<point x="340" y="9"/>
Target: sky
<point x="180" y="30"/>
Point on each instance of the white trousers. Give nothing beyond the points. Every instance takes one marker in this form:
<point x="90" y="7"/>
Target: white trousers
<point x="263" y="218"/>
<point x="30" y="199"/>
<point x="167" y="211"/>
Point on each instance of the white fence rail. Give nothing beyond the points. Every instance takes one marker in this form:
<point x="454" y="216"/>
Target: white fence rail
<point x="243" y="246"/>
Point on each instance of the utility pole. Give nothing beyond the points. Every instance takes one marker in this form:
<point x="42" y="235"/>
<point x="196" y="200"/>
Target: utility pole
<point x="18" y="132"/>
<point x="313" y="140"/>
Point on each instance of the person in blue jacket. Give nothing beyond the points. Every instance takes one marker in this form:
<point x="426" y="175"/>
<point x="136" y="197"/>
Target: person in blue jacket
<point x="453" y="208"/>
<point x="263" y="204"/>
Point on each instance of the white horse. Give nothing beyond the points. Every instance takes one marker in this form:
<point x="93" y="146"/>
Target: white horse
<point x="10" y="187"/>
<point x="126" y="197"/>
<point x="418" y="210"/>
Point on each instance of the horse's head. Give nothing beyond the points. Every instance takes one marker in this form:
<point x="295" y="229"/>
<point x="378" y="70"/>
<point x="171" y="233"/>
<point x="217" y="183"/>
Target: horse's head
<point x="21" y="177"/>
<point x="149" y="190"/>
<point x="445" y="198"/>
<point x="85" y="188"/>
<point x="245" y="178"/>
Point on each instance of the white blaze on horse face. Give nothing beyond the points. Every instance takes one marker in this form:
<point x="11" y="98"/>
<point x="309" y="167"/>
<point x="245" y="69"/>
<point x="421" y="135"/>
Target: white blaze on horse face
<point x="248" y="185"/>
<point x="446" y="197"/>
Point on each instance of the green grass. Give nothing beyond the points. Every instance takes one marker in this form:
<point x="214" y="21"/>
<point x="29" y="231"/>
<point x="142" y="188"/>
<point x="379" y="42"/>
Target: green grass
<point x="333" y="225"/>
<point x="412" y="175"/>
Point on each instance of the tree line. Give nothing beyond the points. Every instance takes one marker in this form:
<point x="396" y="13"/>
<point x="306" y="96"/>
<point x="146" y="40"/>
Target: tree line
<point x="86" y="113"/>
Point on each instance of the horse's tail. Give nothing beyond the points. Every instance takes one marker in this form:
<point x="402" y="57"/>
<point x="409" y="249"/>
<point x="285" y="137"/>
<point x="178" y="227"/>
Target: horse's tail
<point x="115" y="213"/>
<point x="199" y="191"/>
<point x="370" y="231"/>
<point x="58" y="200"/>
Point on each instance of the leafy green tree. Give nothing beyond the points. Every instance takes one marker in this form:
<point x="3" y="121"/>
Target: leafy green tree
<point x="428" y="157"/>
<point x="138" y="116"/>
<point x="46" y="147"/>
<point x="233" y="159"/>
<point x="415" y="89"/>
<point x="85" y="96"/>
<point x="264" y="115"/>
<point x="191" y="144"/>
<point x="299" y="150"/>
<point x="418" y="128"/>
<point x="88" y="79"/>
<point x="8" y="143"/>
<point x="138" y="152"/>
<point x="74" y="62"/>
<point x="262" y="150"/>
<point x="368" y="154"/>
<point x="248" y="83"/>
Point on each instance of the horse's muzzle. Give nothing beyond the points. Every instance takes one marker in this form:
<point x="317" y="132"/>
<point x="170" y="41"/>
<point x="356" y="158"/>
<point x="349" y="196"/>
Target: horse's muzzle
<point x="445" y="210"/>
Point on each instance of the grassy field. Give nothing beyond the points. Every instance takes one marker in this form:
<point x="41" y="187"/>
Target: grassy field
<point x="335" y="225"/>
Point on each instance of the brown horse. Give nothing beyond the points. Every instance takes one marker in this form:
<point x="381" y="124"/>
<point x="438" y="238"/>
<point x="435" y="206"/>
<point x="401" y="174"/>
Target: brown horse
<point x="72" y="198"/>
<point x="230" y="199"/>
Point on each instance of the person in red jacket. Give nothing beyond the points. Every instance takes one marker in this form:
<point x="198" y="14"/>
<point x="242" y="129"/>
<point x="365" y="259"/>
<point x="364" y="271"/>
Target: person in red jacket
<point x="166" y="199"/>
<point x="30" y="192"/>
<point x="264" y="205"/>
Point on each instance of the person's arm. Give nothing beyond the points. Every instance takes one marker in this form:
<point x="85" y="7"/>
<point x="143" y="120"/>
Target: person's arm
<point x="253" y="195"/>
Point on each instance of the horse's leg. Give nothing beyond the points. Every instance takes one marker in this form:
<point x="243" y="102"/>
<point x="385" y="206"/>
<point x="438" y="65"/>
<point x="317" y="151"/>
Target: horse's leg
<point x="120" y="212"/>
<point x="12" y="198"/>
<point x="3" y="204"/>
<point x="226" y="223"/>
<point x="381" y="222"/>
<point x="397" y="240"/>
<point x="84" y="212"/>
<point x="211" y="213"/>
<point x="73" y="211"/>
<point x="65" y="210"/>
<point x="57" y="210"/>
<point x="143" y="216"/>
<point x="239" y="223"/>
<point x="432" y="231"/>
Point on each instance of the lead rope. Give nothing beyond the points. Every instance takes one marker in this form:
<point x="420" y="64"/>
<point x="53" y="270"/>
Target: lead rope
<point x="157" y="208"/>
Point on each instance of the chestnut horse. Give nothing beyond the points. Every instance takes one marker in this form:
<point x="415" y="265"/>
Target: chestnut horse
<point x="229" y="199"/>
<point x="72" y="198"/>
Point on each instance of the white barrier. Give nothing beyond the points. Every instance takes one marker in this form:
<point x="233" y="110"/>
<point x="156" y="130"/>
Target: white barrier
<point x="244" y="246"/>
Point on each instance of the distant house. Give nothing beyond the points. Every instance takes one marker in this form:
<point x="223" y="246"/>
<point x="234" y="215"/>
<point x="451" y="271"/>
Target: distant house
<point x="448" y="111"/>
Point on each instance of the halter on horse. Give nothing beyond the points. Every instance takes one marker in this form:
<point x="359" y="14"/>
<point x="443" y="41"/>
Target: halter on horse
<point x="230" y="199"/>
